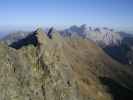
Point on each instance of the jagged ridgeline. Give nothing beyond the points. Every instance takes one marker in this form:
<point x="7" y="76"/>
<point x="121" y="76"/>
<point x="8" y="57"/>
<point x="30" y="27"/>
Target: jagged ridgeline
<point x="46" y="66"/>
<point x="30" y="39"/>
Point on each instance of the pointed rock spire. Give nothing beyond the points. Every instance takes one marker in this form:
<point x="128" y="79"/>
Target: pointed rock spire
<point x="41" y="36"/>
<point x="50" y="32"/>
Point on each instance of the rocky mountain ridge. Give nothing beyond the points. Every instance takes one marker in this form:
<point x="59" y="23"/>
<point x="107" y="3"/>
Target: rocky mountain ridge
<point x="57" y="68"/>
<point x="116" y="44"/>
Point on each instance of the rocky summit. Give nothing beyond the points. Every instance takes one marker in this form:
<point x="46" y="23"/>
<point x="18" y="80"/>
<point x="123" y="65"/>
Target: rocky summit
<point x="39" y="67"/>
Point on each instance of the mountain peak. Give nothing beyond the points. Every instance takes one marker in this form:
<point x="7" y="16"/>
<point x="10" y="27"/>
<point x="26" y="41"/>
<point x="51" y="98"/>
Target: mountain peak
<point x="34" y="38"/>
<point x="41" y="36"/>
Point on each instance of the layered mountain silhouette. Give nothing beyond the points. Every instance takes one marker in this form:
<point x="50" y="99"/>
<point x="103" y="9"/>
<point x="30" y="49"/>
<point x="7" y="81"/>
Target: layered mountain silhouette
<point x="47" y="66"/>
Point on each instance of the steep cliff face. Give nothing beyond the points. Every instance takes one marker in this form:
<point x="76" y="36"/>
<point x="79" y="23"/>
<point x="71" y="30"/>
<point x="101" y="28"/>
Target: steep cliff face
<point x="58" y="69"/>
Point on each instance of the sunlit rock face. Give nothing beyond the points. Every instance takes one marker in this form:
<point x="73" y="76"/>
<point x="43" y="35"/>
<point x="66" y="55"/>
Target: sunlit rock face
<point x="102" y="36"/>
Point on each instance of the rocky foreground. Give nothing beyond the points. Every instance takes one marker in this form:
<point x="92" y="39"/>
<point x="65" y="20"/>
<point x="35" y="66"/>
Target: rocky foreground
<point x="40" y="67"/>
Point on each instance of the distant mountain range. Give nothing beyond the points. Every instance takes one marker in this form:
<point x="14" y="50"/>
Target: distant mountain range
<point x="102" y="36"/>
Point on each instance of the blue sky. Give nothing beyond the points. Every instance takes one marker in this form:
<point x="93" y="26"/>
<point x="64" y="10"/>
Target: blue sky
<point x="27" y="13"/>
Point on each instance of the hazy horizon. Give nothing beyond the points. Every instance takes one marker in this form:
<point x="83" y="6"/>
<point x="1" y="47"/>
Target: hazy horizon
<point x="20" y="14"/>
